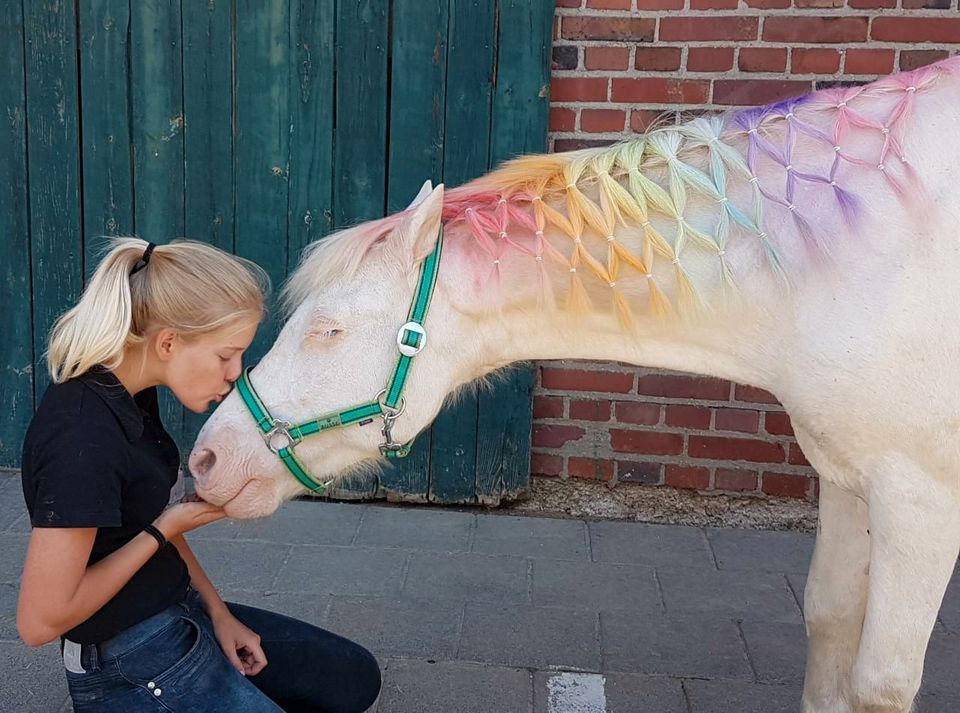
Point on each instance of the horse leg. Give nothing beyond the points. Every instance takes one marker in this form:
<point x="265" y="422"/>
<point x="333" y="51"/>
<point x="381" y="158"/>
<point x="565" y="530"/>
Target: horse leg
<point x="914" y="540"/>
<point x="836" y="593"/>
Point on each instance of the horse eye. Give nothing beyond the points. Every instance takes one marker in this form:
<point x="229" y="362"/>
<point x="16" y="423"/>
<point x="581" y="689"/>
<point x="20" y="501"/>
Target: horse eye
<point x="330" y="333"/>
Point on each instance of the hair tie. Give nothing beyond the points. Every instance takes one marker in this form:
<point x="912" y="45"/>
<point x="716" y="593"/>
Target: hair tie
<point x="144" y="260"/>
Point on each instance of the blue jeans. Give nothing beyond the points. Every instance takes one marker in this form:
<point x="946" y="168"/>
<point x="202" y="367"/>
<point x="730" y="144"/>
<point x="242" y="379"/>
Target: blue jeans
<point x="172" y="662"/>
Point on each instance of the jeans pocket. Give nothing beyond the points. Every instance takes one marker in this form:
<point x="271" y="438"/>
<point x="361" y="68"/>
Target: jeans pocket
<point x="163" y="653"/>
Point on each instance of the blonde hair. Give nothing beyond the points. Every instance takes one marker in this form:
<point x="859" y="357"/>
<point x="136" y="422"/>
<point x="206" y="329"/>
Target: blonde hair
<point x="189" y="286"/>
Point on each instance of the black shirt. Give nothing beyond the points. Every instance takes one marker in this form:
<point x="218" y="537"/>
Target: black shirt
<point x="94" y="456"/>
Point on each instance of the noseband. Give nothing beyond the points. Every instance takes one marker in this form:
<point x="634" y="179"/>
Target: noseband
<point x="281" y="436"/>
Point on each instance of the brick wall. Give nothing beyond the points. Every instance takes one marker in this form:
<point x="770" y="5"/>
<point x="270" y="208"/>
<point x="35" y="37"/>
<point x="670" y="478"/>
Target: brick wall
<point x="618" y="65"/>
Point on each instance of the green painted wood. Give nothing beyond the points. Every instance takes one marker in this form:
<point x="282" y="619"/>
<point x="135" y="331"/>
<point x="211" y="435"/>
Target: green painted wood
<point x="16" y="345"/>
<point x="361" y="115"/>
<point x="156" y="110"/>
<point x="56" y="247"/>
<point x="262" y="144"/>
<point x="107" y="179"/>
<point x="312" y="27"/>
<point x="471" y="58"/>
<point x="208" y="137"/>
<point x="520" y="111"/>
<point x="418" y="75"/>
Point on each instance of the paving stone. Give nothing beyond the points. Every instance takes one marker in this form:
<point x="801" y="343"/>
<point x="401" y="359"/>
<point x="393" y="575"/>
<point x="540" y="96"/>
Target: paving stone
<point x="467" y="577"/>
<point x="530" y="637"/>
<point x="311" y="608"/>
<point x="741" y="697"/>
<point x="33" y="680"/>
<point x="13" y="553"/>
<point x="655" y="545"/>
<point x="418" y="529"/>
<point x="623" y="693"/>
<point x="411" y="686"/>
<point x="751" y="596"/>
<point x="950" y="608"/>
<point x="778" y="651"/>
<point x="303" y="522"/>
<point x="240" y="565"/>
<point x="342" y="570"/>
<point x="531" y="537"/>
<point x="701" y="647"/>
<point x="12" y="505"/>
<point x="940" y="665"/>
<point x="760" y="550"/>
<point x="592" y="585"/>
<point x="8" y="612"/>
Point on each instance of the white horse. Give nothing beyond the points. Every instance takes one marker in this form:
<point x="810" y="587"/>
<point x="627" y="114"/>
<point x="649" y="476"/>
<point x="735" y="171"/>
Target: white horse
<point x="810" y="248"/>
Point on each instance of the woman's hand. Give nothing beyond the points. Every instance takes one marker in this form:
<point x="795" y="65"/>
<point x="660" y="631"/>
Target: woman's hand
<point x="185" y="516"/>
<point x="240" y="644"/>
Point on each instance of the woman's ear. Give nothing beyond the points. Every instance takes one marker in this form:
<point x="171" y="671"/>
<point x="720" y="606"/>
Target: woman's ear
<point x="165" y="343"/>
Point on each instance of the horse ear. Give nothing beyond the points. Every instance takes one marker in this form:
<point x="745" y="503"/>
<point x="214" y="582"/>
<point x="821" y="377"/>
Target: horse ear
<point x="424" y="192"/>
<point x="419" y="229"/>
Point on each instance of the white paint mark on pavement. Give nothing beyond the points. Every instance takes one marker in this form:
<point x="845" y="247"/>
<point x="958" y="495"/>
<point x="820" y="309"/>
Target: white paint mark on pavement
<point x="576" y="693"/>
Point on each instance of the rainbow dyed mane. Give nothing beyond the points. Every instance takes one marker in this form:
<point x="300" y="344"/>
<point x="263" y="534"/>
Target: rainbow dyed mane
<point x="588" y="194"/>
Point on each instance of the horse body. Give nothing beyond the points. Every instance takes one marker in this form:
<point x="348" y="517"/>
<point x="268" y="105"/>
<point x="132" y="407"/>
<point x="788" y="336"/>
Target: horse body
<point x="749" y="249"/>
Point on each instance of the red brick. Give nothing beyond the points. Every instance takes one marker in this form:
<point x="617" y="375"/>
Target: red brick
<point x="763" y="59"/>
<point x="645" y="414"/>
<point x="645" y="473"/>
<point x="565" y="57"/>
<point x="860" y="61"/>
<point x="657" y="59"/>
<point x="562" y="145"/>
<point x="649" y="442"/>
<point x="733" y="479"/>
<point x="769" y="4"/>
<point x="871" y="4"/>
<point x="585" y="380"/>
<point x="732" y="419"/>
<point x="925" y="4"/>
<point x="659" y="4"/>
<point x="815" y="29"/>
<point x="606" y="58"/>
<point x="751" y="92"/>
<point x="546" y="464"/>
<point x="714" y="4"/>
<point x="590" y="468"/>
<point x="796" y="456"/>
<point x="598" y="27"/>
<point x="817" y="3"/>
<point x="785" y="485"/>
<point x="698" y="29"/>
<point x="609" y="4"/>
<point x="599" y="121"/>
<point x="815" y="61"/>
<point x="723" y="448"/>
<point x="753" y="395"/>
<point x="547" y="407"/>
<point x="562" y="119"/>
<point x="582" y="89"/>
<point x="777" y="423"/>
<point x="569" y="3"/>
<point x="655" y="89"/>
<point x="688" y="417"/>
<point x="593" y="410"/>
<point x="710" y="59"/>
<point x="916" y="29"/>
<point x="643" y="119"/>
<point x="680" y="476"/>
<point x="683" y="387"/>
<point x="555" y="436"/>
<point x="914" y="59"/>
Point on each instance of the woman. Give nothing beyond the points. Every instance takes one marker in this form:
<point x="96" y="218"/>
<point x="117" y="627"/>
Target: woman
<point x="107" y="568"/>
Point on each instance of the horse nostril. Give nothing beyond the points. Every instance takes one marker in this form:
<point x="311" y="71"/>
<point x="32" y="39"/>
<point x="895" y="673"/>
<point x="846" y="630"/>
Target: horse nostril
<point x="202" y="463"/>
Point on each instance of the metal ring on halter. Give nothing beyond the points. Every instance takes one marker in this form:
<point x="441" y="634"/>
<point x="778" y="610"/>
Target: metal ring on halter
<point x="280" y="428"/>
<point x="406" y="349"/>
<point x="390" y="413"/>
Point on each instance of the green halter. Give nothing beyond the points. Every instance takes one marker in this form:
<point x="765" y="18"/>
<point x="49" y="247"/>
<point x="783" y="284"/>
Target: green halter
<point x="282" y="436"/>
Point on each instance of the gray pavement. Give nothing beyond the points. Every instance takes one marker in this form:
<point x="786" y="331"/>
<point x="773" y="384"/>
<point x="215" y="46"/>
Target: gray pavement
<point x="483" y="612"/>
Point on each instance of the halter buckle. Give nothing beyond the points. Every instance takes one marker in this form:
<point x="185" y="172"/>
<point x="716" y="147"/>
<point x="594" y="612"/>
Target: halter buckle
<point x="406" y="349"/>
<point x="282" y="429"/>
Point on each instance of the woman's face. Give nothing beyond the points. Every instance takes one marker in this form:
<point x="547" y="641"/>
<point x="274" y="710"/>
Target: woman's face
<point x="203" y="369"/>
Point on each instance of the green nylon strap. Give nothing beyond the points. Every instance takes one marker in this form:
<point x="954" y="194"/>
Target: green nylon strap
<point x="393" y="394"/>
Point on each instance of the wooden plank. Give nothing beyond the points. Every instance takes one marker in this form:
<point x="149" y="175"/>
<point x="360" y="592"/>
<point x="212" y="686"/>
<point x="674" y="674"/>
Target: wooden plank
<point x="361" y="87"/>
<point x="520" y="110"/>
<point x="466" y="151"/>
<point x="208" y="136"/>
<point x="56" y="263"/>
<point x="418" y="79"/>
<point x="107" y="179"/>
<point x="262" y="144"/>
<point x="16" y="346"/>
<point x="156" y="102"/>
<point x="312" y="27"/>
